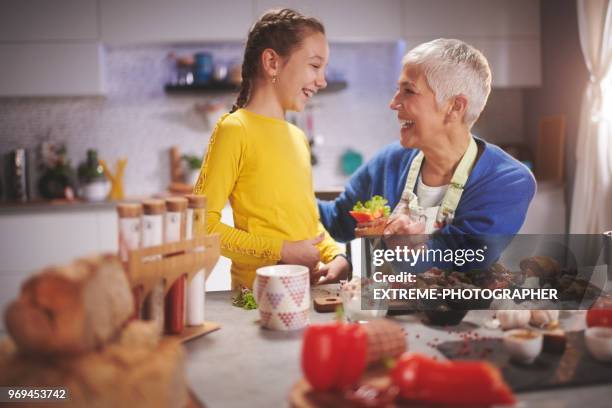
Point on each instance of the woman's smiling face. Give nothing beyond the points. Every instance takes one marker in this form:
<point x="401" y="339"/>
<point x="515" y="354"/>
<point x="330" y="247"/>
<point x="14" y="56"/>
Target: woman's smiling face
<point x="418" y="113"/>
<point x="302" y="74"/>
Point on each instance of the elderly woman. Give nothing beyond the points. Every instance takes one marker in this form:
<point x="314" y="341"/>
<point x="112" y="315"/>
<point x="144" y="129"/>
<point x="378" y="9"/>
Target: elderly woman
<point x="439" y="171"/>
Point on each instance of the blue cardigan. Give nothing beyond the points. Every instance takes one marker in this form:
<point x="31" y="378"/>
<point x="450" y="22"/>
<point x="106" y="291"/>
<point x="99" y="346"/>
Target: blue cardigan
<point x="494" y="201"/>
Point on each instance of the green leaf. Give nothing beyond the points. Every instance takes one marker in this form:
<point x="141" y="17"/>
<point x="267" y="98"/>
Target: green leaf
<point x="193" y="162"/>
<point x="245" y="299"/>
<point x="374" y="204"/>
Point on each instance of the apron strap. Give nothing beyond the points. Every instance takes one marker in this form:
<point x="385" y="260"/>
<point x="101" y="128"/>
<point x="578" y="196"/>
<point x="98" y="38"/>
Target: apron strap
<point x="451" y="199"/>
<point x="455" y="189"/>
<point x="413" y="173"/>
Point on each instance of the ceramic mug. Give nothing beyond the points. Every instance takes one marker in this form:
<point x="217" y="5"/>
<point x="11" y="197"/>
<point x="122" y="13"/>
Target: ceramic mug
<point x="282" y="293"/>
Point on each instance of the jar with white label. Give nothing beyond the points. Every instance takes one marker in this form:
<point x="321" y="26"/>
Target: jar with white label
<point x="130" y="228"/>
<point x="175" y="228"/>
<point x="130" y="238"/>
<point x="196" y="289"/>
<point x="153" y="235"/>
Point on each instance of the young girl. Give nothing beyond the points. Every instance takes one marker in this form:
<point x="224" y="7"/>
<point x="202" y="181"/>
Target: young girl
<point x="262" y="162"/>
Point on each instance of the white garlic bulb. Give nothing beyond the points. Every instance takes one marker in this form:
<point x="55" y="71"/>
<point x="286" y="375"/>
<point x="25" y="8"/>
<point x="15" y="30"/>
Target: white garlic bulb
<point x="513" y="319"/>
<point x="541" y="318"/>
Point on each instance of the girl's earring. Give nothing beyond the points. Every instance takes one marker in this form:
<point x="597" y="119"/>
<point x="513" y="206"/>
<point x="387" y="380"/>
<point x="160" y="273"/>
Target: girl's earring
<point x="273" y="79"/>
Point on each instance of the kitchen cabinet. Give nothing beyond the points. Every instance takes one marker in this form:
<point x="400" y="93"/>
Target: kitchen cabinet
<point x="471" y="18"/>
<point x="43" y="20"/>
<point x="50" y="48"/>
<point x="55" y="48"/>
<point x="348" y="20"/>
<point x="514" y="62"/>
<point x="134" y="22"/>
<point x="507" y="32"/>
<point x="155" y="21"/>
<point x="51" y="69"/>
<point x="31" y="241"/>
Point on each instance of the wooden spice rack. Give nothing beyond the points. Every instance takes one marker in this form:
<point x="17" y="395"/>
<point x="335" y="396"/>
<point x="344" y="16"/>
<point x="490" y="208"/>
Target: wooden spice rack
<point x="147" y="267"/>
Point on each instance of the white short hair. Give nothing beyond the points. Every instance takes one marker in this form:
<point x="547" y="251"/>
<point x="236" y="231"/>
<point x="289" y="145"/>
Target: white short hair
<point x="452" y="67"/>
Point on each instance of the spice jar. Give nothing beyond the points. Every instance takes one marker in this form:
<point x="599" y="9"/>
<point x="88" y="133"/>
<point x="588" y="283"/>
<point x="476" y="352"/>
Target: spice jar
<point x="130" y="237"/>
<point x="175" y="228"/>
<point x="130" y="228"/>
<point x="153" y="235"/>
<point x="196" y="289"/>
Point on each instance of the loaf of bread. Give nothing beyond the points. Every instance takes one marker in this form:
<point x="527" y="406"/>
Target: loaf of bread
<point x="71" y="309"/>
<point x="137" y="370"/>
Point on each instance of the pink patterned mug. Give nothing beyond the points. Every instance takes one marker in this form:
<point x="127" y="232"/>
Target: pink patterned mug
<point x="282" y="293"/>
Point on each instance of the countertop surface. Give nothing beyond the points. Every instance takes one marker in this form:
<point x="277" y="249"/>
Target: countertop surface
<point x="7" y="208"/>
<point x="242" y="365"/>
<point x="45" y="206"/>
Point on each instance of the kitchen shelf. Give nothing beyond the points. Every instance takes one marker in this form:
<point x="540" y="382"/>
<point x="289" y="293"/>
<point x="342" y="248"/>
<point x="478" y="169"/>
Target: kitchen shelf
<point x="218" y="87"/>
<point x="201" y="88"/>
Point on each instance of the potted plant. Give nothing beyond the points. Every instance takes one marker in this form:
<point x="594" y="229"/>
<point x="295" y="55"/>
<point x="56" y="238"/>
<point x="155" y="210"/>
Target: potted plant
<point x="93" y="183"/>
<point x="57" y="180"/>
<point x="193" y="164"/>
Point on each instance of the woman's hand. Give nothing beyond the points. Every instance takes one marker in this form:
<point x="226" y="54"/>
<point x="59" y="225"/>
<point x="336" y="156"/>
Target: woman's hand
<point x="403" y="224"/>
<point x="332" y="272"/>
<point x="403" y="230"/>
<point x="303" y="252"/>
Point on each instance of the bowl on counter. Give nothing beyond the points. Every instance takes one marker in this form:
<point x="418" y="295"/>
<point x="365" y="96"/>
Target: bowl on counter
<point x="439" y="317"/>
<point x="443" y="313"/>
<point x="523" y="345"/>
<point x="599" y="342"/>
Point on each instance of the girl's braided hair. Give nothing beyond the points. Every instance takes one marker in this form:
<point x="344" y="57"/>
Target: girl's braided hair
<point x="281" y="30"/>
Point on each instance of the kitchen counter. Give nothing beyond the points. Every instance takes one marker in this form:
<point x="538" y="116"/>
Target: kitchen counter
<point x="7" y="208"/>
<point x="242" y="365"/>
<point x="39" y="206"/>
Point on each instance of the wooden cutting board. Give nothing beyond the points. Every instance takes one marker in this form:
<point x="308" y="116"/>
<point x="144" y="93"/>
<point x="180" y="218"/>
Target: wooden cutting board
<point x="303" y="396"/>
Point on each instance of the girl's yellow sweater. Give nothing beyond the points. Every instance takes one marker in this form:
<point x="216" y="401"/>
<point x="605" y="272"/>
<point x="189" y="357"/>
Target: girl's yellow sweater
<point x="262" y="165"/>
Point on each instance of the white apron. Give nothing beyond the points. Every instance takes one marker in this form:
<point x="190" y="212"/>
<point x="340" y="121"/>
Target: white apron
<point x="438" y="216"/>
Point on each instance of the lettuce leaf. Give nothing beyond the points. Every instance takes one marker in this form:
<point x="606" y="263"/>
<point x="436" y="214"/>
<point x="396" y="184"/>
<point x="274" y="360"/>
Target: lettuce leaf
<point x="374" y="205"/>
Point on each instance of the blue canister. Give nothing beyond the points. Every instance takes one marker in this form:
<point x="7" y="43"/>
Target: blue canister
<point x="203" y="67"/>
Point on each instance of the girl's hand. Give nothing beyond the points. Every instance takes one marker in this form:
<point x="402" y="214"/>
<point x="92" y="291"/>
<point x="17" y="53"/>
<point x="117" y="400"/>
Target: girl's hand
<point x="332" y="272"/>
<point x="303" y="252"/>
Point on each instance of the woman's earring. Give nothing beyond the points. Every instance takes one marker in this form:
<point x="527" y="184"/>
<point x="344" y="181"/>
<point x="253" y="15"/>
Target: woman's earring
<point x="273" y="79"/>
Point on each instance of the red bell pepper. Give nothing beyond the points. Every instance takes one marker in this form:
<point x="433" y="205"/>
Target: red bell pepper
<point x="334" y="355"/>
<point x="600" y="315"/>
<point x="423" y="379"/>
<point x="361" y="216"/>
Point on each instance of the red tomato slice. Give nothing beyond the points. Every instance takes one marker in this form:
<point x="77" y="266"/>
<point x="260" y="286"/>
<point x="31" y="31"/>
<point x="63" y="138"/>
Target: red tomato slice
<point x="378" y="213"/>
<point x="361" y="216"/>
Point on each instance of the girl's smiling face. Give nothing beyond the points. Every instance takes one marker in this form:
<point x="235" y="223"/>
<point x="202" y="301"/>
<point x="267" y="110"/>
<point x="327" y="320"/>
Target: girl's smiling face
<point x="302" y="74"/>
